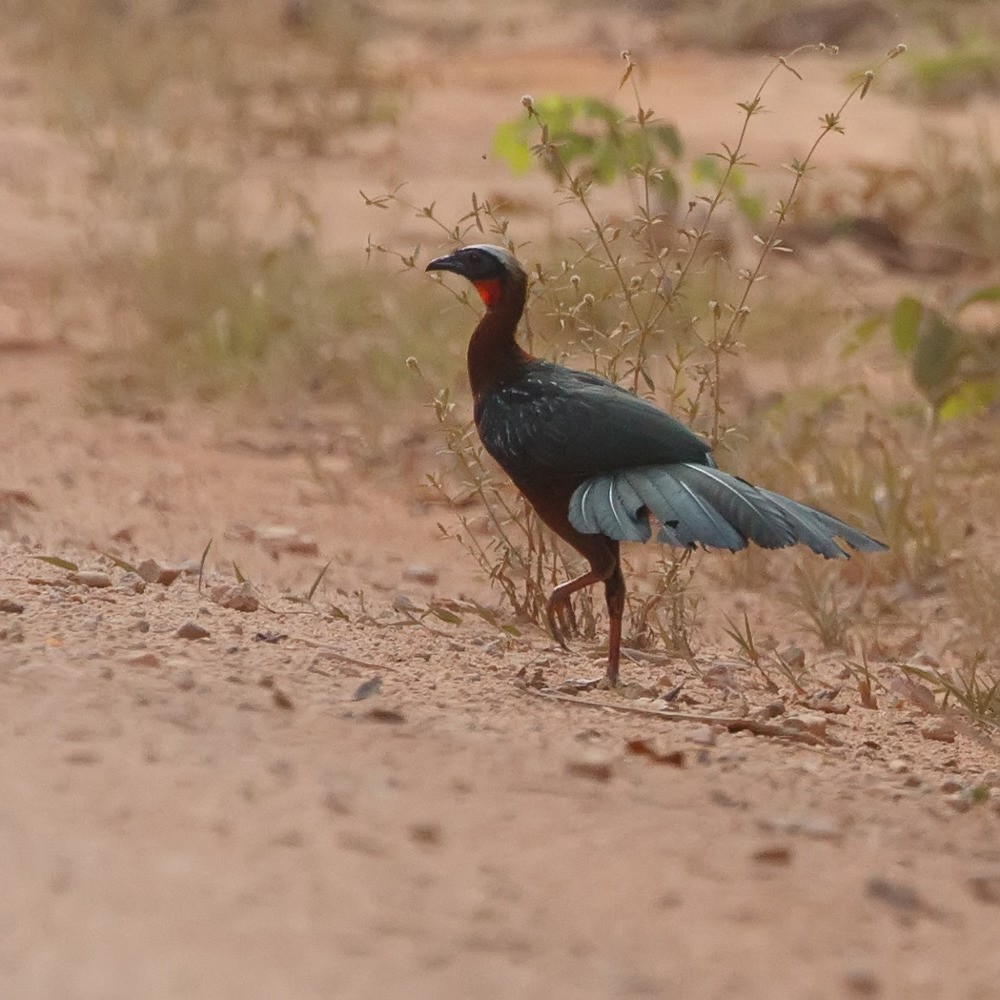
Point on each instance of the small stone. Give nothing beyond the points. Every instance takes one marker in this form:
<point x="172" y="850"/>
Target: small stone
<point x="401" y="602"/>
<point x="705" y="736"/>
<point x="236" y="597"/>
<point x="10" y="607"/>
<point x="991" y="779"/>
<point x="898" y="766"/>
<point x="793" y="656"/>
<point x="276" y="539"/>
<point x="899" y="896"/>
<point x="90" y="578"/>
<point x="773" y="854"/>
<point x="862" y="982"/>
<point x="152" y="572"/>
<point x="367" y="689"/>
<point x="985" y="888"/>
<point x="192" y="630"/>
<point x="950" y="786"/>
<point x="592" y="764"/>
<point x="426" y="833"/>
<point x="938" y="729"/>
<point x="655" y="750"/>
<point x="386" y="715"/>
<point x="12" y="632"/>
<point x="771" y="710"/>
<point x="419" y="573"/>
<point x="149" y="659"/>
<point x="132" y="583"/>
<point x="808" y="722"/>
<point x="280" y="699"/>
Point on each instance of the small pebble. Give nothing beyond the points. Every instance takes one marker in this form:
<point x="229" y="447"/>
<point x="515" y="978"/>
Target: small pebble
<point x="773" y="854"/>
<point x="938" y="729"/>
<point x="862" y="982"/>
<point x="149" y="659"/>
<point x="986" y="888"/>
<point x="593" y="765"/>
<point x="419" y="573"/>
<point x="152" y="572"/>
<point x="236" y="597"/>
<point x="192" y="630"/>
<point x="90" y="578"/>
<point x="11" y="607"/>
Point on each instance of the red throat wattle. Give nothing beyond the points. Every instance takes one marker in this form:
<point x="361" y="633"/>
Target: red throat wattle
<point x="489" y="291"/>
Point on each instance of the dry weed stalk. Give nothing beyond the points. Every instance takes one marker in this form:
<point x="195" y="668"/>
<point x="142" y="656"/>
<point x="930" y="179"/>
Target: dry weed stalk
<point x="619" y="296"/>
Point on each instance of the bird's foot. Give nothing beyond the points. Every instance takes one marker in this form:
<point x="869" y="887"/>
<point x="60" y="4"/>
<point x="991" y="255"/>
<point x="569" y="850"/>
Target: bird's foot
<point x="561" y="620"/>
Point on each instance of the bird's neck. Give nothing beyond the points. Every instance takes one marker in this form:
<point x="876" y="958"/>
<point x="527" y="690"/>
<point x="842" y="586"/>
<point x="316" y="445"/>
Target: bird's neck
<point x="493" y="354"/>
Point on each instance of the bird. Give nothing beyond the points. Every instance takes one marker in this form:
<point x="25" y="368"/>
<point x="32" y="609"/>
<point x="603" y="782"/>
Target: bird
<point x="596" y="461"/>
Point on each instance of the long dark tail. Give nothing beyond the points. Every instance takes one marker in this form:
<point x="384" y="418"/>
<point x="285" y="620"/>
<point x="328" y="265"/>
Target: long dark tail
<point x="701" y="505"/>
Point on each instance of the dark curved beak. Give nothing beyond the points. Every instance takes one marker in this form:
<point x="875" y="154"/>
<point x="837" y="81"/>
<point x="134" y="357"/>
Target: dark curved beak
<point x="448" y="263"/>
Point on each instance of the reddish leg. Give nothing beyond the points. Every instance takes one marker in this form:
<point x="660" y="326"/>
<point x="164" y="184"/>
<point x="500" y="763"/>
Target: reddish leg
<point x="560" y="615"/>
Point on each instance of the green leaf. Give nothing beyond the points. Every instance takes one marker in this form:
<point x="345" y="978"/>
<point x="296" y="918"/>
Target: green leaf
<point x="61" y="563"/>
<point x="989" y="293"/>
<point x="863" y="334"/>
<point x="510" y="143"/>
<point x="120" y="563"/>
<point x="446" y="616"/>
<point x="969" y="399"/>
<point x="936" y="355"/>
<point x="904" y="322"/>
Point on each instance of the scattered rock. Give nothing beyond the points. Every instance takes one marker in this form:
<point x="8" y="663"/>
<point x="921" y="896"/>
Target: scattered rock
<point x="152" y="572"/>
<point x="278" y="539"/>
<point x="12" y="632"/>
<point x="270" y="637"/>
<point x="793" y="656"/>
<point x="861" y="981"/>
<point x="773" y="854"/>
<point x="907" y="689"/>
<point x="771" y="710"/>
<point x="985" y="888"/>
<point x="192" y="630"/>
<point x="591" y="764"/>
<point x="723" y="675"/>
<point x="816" y="827"/>
<point x="419" y="573"/>
<point x="900" y="897"/>
<point x="370" y="687"/>
<point x="10" y="607"/>
<point x="898" y="766"/>
<point x="426" y="833"/>
<point x="403" y="603"/>
<point x="131" y="583"/>
<point x="950" y="786"/>
<point x="236" y="597"/>
<point x="280" y="699"/>
<point x="389" y="715"/>
<point x="90" y="578"/>
<point x="938" y="729"/>
<point x="656" y="752"/>
<point x="705" y="736"/>
<point x="148" y="659"/>
<point x="808" y="722"/>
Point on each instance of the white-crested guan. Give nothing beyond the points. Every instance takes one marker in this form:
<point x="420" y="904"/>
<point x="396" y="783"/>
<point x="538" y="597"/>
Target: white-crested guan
<point x="595" y="461"/>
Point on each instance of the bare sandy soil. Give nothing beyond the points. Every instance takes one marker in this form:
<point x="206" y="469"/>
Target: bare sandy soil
<point x="244" y="815"/>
